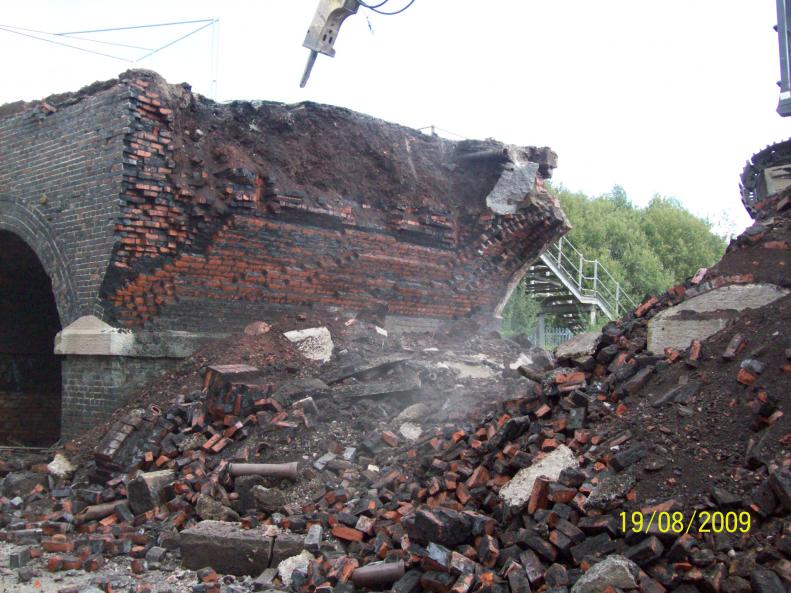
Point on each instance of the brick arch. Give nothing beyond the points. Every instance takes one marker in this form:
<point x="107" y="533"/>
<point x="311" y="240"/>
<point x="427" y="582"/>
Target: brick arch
<point x="34" y="230"/>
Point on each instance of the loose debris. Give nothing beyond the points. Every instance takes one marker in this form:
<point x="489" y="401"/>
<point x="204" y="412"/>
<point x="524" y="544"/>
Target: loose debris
<point x="414" y="474"/>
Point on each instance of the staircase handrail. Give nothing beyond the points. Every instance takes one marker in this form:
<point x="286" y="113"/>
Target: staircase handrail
<point x="600" y="286"/>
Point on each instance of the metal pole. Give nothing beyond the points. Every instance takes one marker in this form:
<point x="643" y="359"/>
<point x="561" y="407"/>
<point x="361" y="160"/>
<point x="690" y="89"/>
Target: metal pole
<point x="617" y="298"/>
<point x="541" y="337"/>
<point x="596" y="277"/>
<point x="560" y="250"/>
<point x="579" y="274"/>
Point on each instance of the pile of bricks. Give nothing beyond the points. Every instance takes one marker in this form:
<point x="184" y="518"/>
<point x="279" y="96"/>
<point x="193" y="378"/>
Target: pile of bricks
<point x="528" y="496"/>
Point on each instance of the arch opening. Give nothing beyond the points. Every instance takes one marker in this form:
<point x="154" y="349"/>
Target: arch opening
<point x="30" y="372"/>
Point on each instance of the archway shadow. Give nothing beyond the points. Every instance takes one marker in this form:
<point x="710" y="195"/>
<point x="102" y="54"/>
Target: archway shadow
<point x="30" y="373"/>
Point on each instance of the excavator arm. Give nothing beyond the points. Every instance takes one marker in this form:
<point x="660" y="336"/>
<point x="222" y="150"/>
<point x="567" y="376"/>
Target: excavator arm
<point x="323" y="30"/>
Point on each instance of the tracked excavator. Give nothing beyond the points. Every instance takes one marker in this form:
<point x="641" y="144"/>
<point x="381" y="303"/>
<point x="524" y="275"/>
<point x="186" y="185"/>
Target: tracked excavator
<point x="766" y="174"/>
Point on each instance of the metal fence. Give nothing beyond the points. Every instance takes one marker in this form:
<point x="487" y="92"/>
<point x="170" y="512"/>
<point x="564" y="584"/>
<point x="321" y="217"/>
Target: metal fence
<point x="551" y="337"/>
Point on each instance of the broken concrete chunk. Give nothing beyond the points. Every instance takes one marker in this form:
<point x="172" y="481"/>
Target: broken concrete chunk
<point x="313" y="538"/>
<point x="629" y="457"/>
<point x="209" y="509"/>
<point x="286" y="545"/>
<point x="243" y="485"/>
<point x="680" y="393"/>
<point x="226" y="547"/>
<point x="367" y="370"/>
<point x="21" y="483"/>
<point x="583" y="344"/>
<point x="145" y="489"/>
<point x="19" y="559"/>
<point x="638" y="381"/>
<point x="398" y="386"/>
<point x="517" y="181"/>
<point x="315" y="343"/>
<point x="614" y="571"/>
<point x="257" y="328"/>
<point x="154" y="556"/>
<point x="266" y="580"/>
<point x="292" y="391"/>
<point x="413" y="413"/>
<point x="537" y="359"/>
<point x="60" y="467"/>
<point x="517" y="492"/>
<point x="753" y="365"/>
<point x="322" y="461"/>
<point x="610" y="491"/>
<point x="287" y="567"/>
<point x="410" y="431"/>
<point x="703" y="315"/>
<point x="466" y="369"/>
<point x="269" y="500"/>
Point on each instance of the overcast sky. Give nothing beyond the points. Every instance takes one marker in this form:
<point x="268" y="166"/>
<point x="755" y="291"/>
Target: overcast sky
<point x="665" y="98"/>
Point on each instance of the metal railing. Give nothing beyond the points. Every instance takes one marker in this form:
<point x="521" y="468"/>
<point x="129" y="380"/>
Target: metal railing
<point x="588" y="279"/>
<point x="550" y="337"/>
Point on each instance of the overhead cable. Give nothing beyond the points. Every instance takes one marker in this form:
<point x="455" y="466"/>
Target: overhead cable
<point x="78" y="38"/>
<point x="151" y="53"/>
<point x="90" y="51"/>
<point x="377" y="11"/>
<point x="137" y="27"/>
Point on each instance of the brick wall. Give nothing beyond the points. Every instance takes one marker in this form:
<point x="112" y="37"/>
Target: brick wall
<point x="94" y="386"/>
<point x="153" y="208"/>
<point x="59" y="172"/>
<point x="219" y="228"/>
<point x="263" y="263"/>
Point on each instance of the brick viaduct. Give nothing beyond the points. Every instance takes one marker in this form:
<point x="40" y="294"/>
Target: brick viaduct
<point x="138" y="220"/>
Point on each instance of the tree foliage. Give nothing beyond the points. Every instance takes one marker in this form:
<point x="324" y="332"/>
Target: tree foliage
<point x="646" y="249"/>
<point x="520" y="313"/>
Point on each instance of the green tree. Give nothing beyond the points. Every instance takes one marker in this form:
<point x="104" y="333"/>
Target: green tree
<point x="647" y="250"/>
<point x="520" y="313"/>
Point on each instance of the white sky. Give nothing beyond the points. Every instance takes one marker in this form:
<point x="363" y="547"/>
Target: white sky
<point x="664" y="97"/>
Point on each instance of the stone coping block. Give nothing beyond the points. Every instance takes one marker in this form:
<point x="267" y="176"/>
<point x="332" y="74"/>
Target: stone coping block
<point x="229" y="549"/>
<point x="90" y="336"/>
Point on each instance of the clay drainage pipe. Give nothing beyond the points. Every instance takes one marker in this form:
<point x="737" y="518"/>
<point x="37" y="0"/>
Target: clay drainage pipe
<point x="375" y="576"/>
<point x="275" y="470"/>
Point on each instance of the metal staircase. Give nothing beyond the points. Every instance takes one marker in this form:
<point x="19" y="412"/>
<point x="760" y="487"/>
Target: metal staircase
<point x="573" y="288"/>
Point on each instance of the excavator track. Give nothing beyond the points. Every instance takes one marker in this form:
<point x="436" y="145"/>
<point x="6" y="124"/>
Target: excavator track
<point x="753" y="183"/>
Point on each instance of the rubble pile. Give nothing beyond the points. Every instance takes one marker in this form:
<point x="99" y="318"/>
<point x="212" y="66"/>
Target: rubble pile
<point x="446" y="463"/>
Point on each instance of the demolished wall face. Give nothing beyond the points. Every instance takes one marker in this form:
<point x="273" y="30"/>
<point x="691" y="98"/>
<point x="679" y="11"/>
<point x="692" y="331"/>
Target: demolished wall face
<point x="237" y="212"/>
<point x="157" y="210"/>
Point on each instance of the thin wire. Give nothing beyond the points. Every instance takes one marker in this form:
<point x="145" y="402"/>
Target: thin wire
<point x="78" y="38"/>
<point x="374" y="6"/>
<point x="438" y="129"/>
<point x="151" y="53"/>
<point x="90" y="51"/>
<point x="137" y="27"/>
<point x="411" y="2"/>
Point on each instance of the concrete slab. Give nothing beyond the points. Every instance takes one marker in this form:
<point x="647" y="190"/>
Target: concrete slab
<point x="706" y="314"/>
<point x="227" y="548"/>
<point x="583" y="344"/>
<point x="314" y="343"/>
<point x="516" y="492"/>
